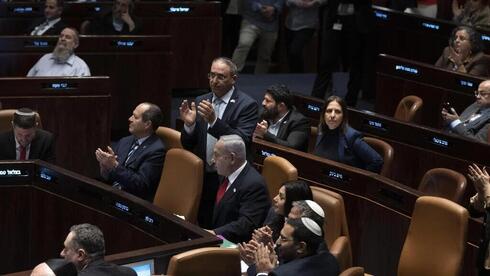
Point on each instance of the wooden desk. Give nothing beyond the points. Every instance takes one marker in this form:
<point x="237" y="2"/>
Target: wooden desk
<point x="413" y="36"/>
<point x="194" y="26"/>
<point x="378" y="209"/>
<point x="417" y="148"/>
<point x="140" y="68"/>
<point x="398" y="77"/>
<point x="39" y="202"/>
<point x="75" y="110"/>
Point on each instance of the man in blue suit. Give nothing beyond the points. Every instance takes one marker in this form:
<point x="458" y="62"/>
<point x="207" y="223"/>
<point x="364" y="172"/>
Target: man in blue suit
<point x="224" y="111"/>
<point x="136" y="162"/>
<point x="242" y="201"/>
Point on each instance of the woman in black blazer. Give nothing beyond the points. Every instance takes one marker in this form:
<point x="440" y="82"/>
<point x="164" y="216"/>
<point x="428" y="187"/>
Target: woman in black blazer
<point x="339" y="142"/>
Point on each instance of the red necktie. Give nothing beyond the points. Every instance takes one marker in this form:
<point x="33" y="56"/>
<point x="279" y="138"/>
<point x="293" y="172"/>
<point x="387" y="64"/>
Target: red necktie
<point x="22" y="153"/>
<point x="222" y="190"/>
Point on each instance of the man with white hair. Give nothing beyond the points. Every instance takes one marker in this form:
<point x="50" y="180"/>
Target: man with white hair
<point x="297" y="252"/>
<point x="242" y="201"/>
<point x="62" y="62"/>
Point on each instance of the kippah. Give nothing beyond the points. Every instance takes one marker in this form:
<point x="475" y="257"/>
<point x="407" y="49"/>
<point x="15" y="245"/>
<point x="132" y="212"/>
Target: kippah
<point x="312" y="226"/>
<point x="23" y="113"/>
<point x="316" y="208"/>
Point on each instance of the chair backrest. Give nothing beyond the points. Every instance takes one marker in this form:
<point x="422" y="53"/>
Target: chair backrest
<point x="335" y="228"/>
<point x="353" y="271"/>
<point x="170" y="137"/>
<point x="6" y="117"/>
<point x="385" y="150"/>
<point x="409" y="109"/>
<point x="206" y="261"/>
<point x="436" y="238"/>
<point x="180" y="185"/>
<point x="444" y="183"/>
<point x="276" y="171"/>
<point x="312" y="139"/>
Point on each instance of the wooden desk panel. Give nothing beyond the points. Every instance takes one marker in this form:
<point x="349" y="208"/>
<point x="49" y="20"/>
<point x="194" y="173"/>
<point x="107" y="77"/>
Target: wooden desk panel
<point x="378" y="209"/>
<point x="140" y="67"/>
<point x="34" y="234"/>
<point x="75" y="110"/>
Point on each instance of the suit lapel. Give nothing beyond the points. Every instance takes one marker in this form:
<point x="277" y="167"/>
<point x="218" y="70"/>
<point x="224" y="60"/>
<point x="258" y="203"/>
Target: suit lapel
<point x="232" y="104"/>
<point x="229" y="194"/>
<point x="284" y="125"/>
<point x="138" y="151"/>
<point x="11" y="149"/>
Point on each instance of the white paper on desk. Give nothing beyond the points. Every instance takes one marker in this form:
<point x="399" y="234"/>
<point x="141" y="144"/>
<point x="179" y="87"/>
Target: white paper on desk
<point x="179" y="216"/>
<point x="244" y="266"/>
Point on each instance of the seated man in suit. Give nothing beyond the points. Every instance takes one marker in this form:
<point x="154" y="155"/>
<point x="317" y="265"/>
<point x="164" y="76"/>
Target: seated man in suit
<point x="25" y="141"/>
<point x="281" y="123"/>
<point x="297" y="251"/>
<point x="85" y="247"/>
<point x="242" y="200"/>
<point x="62" y="62"/>
<point x="51" y="24"/>
<point x="136" y="163"/>
<point x="224" y="111"/>
<point x="120" y="21"/>
<point x="475" y="119"/>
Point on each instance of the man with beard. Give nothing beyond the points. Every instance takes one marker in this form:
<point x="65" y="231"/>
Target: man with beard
<point x="62" y="62"/>
<point x="475" y="119"/>
<point x="282" y="123"/>
<point x="51" y="24"/>
<point x="297" y="252"/>
<point x="224" y="111"/>
<point x="119" y="21"/>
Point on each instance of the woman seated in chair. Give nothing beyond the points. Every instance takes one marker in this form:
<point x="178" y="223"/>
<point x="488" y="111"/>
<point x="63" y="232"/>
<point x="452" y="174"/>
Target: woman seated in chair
<point x="339" y="142"/>
<point x="282" y="203"/>
<point x="464" y="53"/>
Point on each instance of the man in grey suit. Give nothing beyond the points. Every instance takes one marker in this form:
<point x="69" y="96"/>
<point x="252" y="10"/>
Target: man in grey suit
<point x="224" y="111"/>
<point x="474" y="122"/>
<point x="281" y="122"/>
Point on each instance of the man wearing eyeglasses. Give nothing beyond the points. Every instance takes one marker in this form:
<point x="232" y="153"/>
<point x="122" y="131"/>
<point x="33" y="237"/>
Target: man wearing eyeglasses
<point x="224" y="111"/>
<point x="475" y="119"/>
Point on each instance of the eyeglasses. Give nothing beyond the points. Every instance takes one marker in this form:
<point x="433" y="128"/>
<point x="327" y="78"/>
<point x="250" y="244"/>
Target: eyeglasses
<point x="481" y="93"/>
<point x="219" y="77"/>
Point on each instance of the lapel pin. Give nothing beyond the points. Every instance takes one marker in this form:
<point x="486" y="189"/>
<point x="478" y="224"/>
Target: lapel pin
<point x="234" y="190"/>
<point x="232" y="101"/>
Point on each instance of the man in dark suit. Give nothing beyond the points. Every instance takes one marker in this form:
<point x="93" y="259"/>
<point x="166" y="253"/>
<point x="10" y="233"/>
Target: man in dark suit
<point x="282" y="123"/>
<point x="51" y="24"/>
<point x="85" y="247"/>
<point x="474" y="122"/>
<point x="119" y="21"/>
<point x="136" y="162"/>
<point x="242" y="200"/>
<point x="226" y="110"/>
<point x="297" y="251"/>
<point x="25" y="141"/>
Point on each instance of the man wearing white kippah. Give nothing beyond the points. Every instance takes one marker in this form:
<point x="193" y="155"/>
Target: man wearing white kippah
<point x="25" y="140"/>
<point x="297" y="252"/>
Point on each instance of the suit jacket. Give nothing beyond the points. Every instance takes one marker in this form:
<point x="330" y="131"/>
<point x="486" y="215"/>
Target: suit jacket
<point x="322" y="263"/>
<point x="477" y="65"/>
<point x="293" y="132"/>
<point x="240" y="117"/>
<point x="485" y="241"/>
<point x="352" y="150"/>
<point x="42" y="147"/>
<point x="102" y="268"/>
<point x="140" y="175"/>
<point x="54" y="30"/>
<point x="476" y="129"/>
<point x="243" y="207"/>
<point x="102" y="25"/>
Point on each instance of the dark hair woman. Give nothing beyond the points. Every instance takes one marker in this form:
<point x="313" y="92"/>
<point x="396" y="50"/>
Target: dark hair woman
<point x="339" y="142"/>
